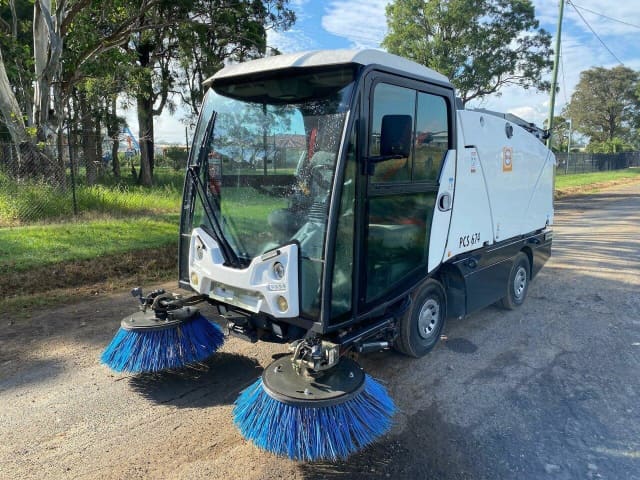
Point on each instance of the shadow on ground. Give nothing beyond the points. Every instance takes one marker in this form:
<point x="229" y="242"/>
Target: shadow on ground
<point x="217" y="381"/>
<point x="436" y="449"/>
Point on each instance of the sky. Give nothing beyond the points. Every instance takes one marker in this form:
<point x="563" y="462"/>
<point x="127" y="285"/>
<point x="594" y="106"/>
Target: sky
<point x="334" y="24"/>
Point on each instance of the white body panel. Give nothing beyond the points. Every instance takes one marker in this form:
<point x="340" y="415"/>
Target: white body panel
<point x="441" y="219"/>
<point x="504" y="186"/>
<point x="471" y="223"/>
<point x="254" y="288"/>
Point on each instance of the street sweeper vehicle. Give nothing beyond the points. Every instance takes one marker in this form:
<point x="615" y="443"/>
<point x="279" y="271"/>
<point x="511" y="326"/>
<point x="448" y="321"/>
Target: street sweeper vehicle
<point x="338" y="201"/>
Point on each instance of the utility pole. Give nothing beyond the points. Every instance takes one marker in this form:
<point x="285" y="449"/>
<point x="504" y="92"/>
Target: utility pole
<point x="566" y="167"/>
<point x="554" y="81"/>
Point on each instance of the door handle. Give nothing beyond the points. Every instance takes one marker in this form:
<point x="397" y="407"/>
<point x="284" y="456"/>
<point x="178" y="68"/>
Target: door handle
<point x="444" y="202"/>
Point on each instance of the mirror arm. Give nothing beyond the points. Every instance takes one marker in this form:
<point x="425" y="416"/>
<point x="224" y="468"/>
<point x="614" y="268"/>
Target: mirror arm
<point x="371" y="161"/>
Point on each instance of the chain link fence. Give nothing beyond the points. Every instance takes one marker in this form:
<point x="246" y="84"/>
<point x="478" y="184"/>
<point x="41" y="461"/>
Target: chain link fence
<point x="569" y="163"/>
<point x="51" y="182"/>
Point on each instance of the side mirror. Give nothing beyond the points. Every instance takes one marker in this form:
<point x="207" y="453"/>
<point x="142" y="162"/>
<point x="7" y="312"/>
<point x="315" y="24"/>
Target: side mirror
<point x="395" y="136"/>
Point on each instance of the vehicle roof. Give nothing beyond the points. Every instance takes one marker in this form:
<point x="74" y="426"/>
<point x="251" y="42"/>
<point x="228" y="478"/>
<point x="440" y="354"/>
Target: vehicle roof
<point x="320" y="58"/>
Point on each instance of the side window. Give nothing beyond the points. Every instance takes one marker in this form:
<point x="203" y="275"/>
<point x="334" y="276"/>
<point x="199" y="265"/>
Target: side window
<point x="432" y="137"/>
<point x="390" y="100"/>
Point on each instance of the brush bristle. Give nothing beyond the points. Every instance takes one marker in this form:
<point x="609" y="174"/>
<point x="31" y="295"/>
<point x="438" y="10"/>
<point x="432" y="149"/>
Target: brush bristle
<point x="138" y="351"/>
<point x="314" y="433"/>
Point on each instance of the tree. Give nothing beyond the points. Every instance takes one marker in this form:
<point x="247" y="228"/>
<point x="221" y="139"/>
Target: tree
<point x="613" y="145"/>
<point x="75" y="40"/>
<point x="220" y="31"/>
<point x="604" y="104"/>
<point x="561" y="132"/>
<point x="481" y="45"/>
<point x="98" y="28"/>
<point x="202" y="36"/>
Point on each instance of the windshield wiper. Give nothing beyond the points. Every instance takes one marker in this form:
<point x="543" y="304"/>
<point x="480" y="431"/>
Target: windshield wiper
<point x="230" y="257"/>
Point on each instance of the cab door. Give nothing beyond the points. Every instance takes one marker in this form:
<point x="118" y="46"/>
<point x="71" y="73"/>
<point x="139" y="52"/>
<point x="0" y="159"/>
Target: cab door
<point x="402" y="187"/>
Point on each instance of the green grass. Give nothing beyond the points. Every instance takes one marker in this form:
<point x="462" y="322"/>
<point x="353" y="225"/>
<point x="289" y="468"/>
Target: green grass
<point x="29" y="202"/>
<point x="249" y="210"/>
<point x="586" y="179"/>
<point x="22" y="248"/>
<point x="124" y="217"/>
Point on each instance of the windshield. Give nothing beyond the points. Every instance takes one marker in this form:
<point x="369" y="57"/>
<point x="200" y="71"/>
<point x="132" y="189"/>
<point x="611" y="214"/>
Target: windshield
<point x="268" y="159"/>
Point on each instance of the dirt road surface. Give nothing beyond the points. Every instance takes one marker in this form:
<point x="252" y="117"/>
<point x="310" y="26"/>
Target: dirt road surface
<point x="551" y="390"/>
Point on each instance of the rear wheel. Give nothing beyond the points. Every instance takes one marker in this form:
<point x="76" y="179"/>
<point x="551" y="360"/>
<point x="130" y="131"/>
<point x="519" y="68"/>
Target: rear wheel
<point x="518" y="283"/>
<point x="422" y="323"/>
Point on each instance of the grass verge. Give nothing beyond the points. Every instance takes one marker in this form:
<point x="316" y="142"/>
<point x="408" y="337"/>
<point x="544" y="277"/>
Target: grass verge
<point x="592" y="182"/>
<point x="36" y="288"/>
<point x="40" y="246"/>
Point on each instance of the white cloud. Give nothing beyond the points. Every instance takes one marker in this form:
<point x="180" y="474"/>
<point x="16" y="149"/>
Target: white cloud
<point x="362" y="22"/>
<point x="293" y="40"/>
<point x="168" y="128"/>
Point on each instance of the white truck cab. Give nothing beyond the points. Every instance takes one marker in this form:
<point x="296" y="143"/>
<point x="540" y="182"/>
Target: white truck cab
<point x="340" y="195"/>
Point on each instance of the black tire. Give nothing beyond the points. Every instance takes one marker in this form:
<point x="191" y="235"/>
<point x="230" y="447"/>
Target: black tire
<point x="518" y="283"/>
<point x="422" y="323"/>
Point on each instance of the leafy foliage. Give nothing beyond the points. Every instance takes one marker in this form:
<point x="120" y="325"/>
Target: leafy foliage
<point x="561" y="132"/>
<point x="605" y="105"/>
<point x="88" y="52"/>
<point x="480" y="45"/>
<point x="613" y="145"/>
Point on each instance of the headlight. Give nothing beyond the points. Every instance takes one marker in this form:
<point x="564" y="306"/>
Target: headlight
<point x="278" y="270"/>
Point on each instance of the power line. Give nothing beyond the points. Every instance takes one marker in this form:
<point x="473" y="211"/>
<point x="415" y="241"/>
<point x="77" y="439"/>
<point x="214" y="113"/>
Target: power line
<point x="605" y="16"/>
<point x="594" y="32"/>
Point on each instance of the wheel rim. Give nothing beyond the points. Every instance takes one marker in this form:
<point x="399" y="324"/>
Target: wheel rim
<point x="520" y="283"/>
<point x="428" y="318"/>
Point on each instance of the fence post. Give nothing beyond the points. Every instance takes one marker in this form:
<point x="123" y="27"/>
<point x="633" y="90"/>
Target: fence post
<point x="72" y="168"/>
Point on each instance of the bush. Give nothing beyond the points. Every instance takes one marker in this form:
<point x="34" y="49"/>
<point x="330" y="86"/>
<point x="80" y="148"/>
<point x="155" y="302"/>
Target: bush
<point x="176" y="157"/>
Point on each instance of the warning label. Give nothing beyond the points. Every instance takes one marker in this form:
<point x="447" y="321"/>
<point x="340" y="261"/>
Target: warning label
<point x="507" y="159"/>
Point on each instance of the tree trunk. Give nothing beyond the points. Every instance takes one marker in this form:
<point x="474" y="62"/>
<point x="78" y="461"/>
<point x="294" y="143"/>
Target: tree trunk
<point x="145" y="116"/>
<point x="88" y="139"/>
<point x="47" y="50"/>
<point x="40" y="54"/>
<point x="145" y="138"/>
<point x="98" y="137"/>
<point x="31" y="162"/>
<point x="113" y="131"/>
<point x="10" y="108"/>
<point x="74" y="138"/>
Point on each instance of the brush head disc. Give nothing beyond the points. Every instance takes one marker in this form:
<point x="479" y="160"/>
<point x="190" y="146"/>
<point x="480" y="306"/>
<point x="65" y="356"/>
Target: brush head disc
<point x="344" y="414"/>
<point x="333" y="387"/>
<point x="149" y="320"/>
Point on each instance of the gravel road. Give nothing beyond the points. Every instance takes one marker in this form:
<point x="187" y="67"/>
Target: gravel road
<point x="547" y="391"/>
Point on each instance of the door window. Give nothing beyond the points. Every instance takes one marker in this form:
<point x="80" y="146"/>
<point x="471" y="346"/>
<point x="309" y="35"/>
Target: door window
<point x="390" y="100"/>
<point x="432" y="137"/>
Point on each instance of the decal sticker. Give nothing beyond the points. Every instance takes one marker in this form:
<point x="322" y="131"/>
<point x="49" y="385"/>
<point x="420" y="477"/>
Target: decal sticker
<point x="474" y="161"/>
<point x="450" y="183"/>
<point x="467" y="240"/>
<point x="507" y="159"/>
